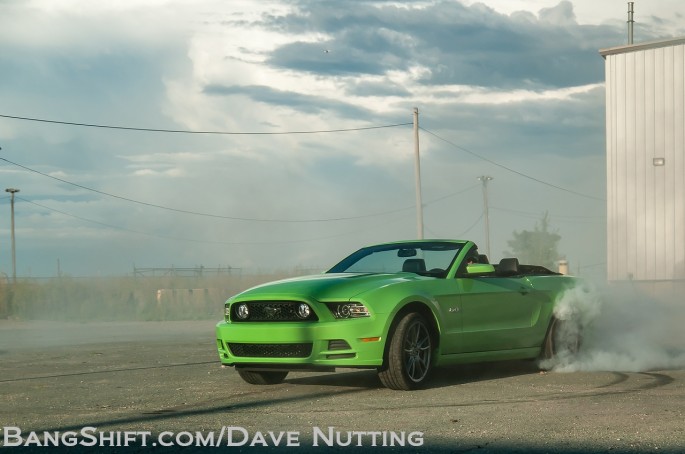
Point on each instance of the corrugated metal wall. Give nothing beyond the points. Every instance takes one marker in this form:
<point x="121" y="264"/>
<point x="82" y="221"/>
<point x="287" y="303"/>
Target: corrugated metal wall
<point x="645" y="102"/>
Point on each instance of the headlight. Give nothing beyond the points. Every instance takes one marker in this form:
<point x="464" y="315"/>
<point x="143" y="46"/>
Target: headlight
<point x="242" y="311"/>
<point x="348" y="310"/>
<point x="227" y="311"/>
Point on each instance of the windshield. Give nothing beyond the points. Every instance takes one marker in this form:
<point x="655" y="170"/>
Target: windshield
<point x="426" y="258"/>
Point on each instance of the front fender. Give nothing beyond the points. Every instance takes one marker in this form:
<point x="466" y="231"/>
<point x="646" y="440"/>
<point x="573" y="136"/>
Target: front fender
<point x="423" y="304"/>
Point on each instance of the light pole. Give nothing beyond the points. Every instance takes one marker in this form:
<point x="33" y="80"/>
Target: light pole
<point x="486" y="212"/>
<point x="13" y="191"/>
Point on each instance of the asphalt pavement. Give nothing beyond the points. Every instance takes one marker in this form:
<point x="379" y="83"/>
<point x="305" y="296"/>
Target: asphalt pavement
<point x="159" y="386"/>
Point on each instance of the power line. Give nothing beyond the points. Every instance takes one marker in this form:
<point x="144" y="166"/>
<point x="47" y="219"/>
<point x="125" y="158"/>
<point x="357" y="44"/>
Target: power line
<point x="556" y="216"/>
<point x="510" y="169"/>
<point x="324" y="131"/>
<point x="224" y="242"/>
<point x="461" y="235"/>
<point x="184" y="131"/>
<point x="107" y="225"/>
<point x="138" y="232"/>
<point x="196" y="213"/>
<point x="164" y="237"/>
<point x="451" y="195"/>
<point x="178" y="210"/>
<point x="472" y="225"/>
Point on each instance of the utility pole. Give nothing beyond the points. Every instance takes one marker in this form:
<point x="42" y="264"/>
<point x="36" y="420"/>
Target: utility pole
<point x="417" y="174"/>
<point x="12" y="191"/>
<point x="486" y="211"/>
<point x="630" y="22"/>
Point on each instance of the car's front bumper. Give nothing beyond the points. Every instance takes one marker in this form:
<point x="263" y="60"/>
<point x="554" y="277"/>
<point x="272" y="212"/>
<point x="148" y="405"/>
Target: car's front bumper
<point x="340" y="343"/>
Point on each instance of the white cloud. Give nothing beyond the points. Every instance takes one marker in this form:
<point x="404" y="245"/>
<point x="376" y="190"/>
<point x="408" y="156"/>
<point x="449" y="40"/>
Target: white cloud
<point x="668" y="12"/>
<point x="210" y="66"/>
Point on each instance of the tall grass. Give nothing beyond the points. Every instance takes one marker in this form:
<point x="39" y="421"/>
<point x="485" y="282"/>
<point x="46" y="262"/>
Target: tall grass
<point x="124" y="298"/>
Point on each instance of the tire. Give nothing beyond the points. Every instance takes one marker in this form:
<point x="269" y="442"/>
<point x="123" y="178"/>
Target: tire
<point x="409" y="356"/>
<point x="255" y="377"/>
<point x="563" y="340"/>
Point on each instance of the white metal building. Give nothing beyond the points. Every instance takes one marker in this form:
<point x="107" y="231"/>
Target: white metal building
<point x="645" y="129"/>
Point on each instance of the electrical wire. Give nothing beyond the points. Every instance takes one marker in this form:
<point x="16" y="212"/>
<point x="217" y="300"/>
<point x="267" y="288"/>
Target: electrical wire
<point x="107" y="225"/>
<point x="184" y="131"/>
<point x="525" y="213"/>
<point x="196" y="213"/>
<point x="510" y="169"/>
<point x="229" y="243"/>
<point x="138" y="232"/>
<point x="463" y="234"/>
<point x="325" y="131"/>
<point x="178" y="210"/>
<point x="451" y="195"/>
<point x="564" y="218"/>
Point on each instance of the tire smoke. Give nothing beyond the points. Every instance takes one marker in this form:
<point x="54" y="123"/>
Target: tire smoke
<point x="623" y="330"/>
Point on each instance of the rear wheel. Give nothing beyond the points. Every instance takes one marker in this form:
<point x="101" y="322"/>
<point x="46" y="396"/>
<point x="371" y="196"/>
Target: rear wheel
<point x="255" y="377"/>
<point x="562" y="341"/>
<point x="408" y="362"/>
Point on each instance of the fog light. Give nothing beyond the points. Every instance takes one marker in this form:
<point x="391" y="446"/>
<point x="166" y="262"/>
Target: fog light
<point x="243" y="311"/>
<point x="304" y="311"/>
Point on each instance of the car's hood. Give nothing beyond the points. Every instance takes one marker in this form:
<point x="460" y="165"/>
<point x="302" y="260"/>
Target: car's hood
<point x="326" y="286"/>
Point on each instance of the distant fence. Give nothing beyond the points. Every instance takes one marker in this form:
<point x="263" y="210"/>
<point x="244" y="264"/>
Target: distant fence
<point x="192" y="295"/>
<point x="185" y="272"/>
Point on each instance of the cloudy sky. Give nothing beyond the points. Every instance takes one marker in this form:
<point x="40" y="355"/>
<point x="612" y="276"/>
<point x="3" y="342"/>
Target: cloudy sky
<point x="278" y="134"/>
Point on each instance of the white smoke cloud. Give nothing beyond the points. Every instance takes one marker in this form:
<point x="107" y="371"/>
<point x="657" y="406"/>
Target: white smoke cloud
<point x="623" y="329"/>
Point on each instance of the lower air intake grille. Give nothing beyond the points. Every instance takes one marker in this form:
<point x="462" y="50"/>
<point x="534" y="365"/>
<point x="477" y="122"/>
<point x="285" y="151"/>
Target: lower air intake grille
<point x="338" y="344"/>
<point x="271" y="350"/>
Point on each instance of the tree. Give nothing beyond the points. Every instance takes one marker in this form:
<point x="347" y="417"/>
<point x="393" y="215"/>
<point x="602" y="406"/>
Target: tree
<point x="538" y="247"/>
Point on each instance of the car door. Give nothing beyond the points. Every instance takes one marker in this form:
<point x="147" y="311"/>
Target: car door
<point x="497" y="313"/>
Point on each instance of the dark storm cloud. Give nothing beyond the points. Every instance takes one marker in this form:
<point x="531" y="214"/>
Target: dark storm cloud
<point x="368" y="88"/>
<point x="469" y="45"/>
<point x="569" y="127"/>
<point x="42" y="80"/>
<point x="303" y="103"/>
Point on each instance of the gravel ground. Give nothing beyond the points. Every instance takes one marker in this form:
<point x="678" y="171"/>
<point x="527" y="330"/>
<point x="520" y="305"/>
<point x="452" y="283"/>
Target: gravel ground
<point x="164" y="378"/>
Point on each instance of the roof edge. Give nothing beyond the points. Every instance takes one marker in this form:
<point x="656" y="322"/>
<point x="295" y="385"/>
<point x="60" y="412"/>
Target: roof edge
<point x="642" y="46"/>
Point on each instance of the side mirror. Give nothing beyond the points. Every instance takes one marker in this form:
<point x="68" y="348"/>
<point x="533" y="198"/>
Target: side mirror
<point x="480" y="268"/>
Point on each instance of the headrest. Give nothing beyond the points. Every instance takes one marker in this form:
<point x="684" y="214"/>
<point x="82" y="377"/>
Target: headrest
<point x="414" y="265"/>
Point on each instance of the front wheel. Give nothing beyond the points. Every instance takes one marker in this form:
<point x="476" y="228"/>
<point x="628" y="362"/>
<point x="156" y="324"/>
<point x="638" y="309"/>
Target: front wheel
<point x="255" y="377"/>
<point x="408" y="362"/>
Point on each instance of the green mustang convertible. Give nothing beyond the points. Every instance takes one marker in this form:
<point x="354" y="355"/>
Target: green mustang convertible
<point x="400" y="308"/>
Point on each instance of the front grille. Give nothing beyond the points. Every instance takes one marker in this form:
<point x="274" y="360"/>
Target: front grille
<point x="271" y="311"/>
<point x="271" y="350"/>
